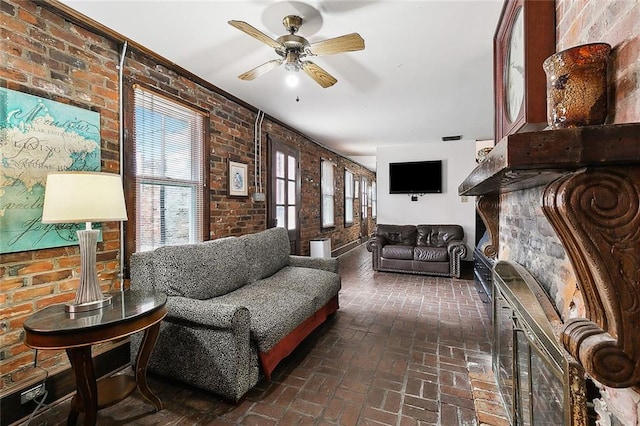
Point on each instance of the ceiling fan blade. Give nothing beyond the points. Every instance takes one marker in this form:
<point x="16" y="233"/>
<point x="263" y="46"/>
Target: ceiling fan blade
<point x="319" y="75"/>
<point x="260" y="70"/>
<point x="255" y="33"/>
<point x="346" y="43"/>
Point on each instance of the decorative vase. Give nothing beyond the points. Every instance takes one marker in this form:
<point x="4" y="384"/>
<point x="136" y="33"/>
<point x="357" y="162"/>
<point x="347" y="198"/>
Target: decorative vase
<point x="577" y="86"/>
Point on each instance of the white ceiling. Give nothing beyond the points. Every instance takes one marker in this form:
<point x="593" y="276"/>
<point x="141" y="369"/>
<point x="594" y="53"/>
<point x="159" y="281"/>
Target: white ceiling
<point x="426" y="71"/>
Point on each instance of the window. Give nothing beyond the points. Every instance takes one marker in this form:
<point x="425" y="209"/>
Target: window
<point x="169" y="182"/>
<point x="363" y="198"/>
<point x="374" y="200"/>
<point x="327" y="189"/>
<point x="348" y="197"/>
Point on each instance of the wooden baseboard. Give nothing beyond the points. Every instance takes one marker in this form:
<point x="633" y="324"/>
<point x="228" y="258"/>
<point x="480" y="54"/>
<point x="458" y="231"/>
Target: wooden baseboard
<point x="269" y="360"/>
<point x="62" y="384"/>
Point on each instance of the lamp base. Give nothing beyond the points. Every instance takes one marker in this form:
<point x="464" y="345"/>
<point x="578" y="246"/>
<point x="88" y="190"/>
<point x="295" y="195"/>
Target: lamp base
<point x="88" y="306"/>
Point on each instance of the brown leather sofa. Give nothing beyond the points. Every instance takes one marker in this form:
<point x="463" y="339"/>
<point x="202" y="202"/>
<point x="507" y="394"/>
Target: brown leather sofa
<point x="421" y="249"/>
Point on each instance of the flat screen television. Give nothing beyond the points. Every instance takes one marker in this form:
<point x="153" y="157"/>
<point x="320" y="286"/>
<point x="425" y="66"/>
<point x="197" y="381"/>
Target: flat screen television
<point x="418" y="177"/>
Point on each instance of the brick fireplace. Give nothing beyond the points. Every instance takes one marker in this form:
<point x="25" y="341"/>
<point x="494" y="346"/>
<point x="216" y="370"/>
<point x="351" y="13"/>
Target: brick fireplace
<point x="564" y="204"/>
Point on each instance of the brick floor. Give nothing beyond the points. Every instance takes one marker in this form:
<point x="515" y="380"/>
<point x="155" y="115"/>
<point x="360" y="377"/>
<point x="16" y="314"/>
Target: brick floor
<point x="402" y="350"/>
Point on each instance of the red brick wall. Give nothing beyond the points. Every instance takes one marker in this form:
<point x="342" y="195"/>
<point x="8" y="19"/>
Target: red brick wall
<point x="616" y="22"/>
<point x="311" y="154"/>
<point x="45" y="55"/>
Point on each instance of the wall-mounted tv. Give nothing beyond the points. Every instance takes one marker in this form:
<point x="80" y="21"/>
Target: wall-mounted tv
<point x="417" y="177"/>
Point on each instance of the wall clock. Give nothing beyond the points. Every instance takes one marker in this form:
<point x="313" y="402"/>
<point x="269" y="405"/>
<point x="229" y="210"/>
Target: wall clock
<point x="524" y="38"/>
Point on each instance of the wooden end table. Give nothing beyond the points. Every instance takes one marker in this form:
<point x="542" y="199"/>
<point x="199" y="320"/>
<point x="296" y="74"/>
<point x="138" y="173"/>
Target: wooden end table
<point x="129" y="312"/>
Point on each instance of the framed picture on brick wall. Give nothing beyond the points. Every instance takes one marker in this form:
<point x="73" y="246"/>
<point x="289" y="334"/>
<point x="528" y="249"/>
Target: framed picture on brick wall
<point x="238" y="184"/>
<point x="39" y="136"/>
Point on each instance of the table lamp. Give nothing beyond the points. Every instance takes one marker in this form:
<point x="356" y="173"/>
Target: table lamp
<point x="72" y="197"/>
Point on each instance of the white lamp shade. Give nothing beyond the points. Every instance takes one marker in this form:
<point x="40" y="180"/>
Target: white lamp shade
<point x="72" y="197"/>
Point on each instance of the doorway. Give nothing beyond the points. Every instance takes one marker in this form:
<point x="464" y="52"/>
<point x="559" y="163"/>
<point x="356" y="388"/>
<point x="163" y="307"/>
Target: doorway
<point x="284" y="190"/>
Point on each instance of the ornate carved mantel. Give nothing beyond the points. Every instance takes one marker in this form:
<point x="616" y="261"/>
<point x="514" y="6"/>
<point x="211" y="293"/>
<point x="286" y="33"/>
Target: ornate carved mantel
<point x="591" y="177"/>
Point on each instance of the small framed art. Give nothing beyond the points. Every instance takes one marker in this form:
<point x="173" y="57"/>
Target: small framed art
<point x="238" y="183"/>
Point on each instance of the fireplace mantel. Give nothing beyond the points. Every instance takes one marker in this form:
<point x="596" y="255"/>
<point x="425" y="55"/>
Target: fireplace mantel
<point x="591" y="180"/>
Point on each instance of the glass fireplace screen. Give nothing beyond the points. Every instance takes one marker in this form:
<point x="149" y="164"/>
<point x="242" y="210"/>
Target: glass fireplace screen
<point x="532" y="369"/>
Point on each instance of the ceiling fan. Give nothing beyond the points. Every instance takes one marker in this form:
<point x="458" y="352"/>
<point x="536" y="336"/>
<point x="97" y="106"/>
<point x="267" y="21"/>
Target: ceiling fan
<point x="293" y="48"/>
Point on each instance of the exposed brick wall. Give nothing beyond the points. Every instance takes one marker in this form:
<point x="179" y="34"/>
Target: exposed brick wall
<point x="311" y="154"/>
<point x="525" y="235"/>
<point x="46" y="55"/>
<point x="616" y="22"/>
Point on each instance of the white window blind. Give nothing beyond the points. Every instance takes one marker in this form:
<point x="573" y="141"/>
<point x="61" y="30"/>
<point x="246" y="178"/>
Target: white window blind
<point x="328" y="191"/>
<point x="169" y="180"/>
<point x="348" y="197"/>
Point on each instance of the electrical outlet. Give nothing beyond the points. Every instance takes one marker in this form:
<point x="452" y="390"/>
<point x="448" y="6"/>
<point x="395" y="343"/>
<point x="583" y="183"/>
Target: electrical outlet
<point x="32" y="393"/>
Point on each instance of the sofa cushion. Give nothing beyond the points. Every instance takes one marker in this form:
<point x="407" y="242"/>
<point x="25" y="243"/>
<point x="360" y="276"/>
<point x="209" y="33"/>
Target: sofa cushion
<point x="266" y="253"/>
<point x="321" y="285"/>
<point x="397" y="252"/>
<point x="398" y="234"/>
<point x="200" y="271"/>
<point x="273" y="313"/>
<point x="431" y="254"/>
<point x="438" y="235"/>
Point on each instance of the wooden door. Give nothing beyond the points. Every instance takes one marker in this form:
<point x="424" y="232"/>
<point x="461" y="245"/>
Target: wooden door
<point x="284" y="190"/>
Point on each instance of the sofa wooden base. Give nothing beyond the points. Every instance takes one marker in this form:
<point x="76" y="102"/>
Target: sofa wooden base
<point x="269" y="360"/>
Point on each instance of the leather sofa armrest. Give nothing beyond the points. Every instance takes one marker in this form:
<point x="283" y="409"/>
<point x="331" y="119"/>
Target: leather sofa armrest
<point x="325" y="263"/>
<point x="208" y="313"/>
<point x="457" y="248"/>
<point x="376" y="243"/>
<point x="457" y="251"/>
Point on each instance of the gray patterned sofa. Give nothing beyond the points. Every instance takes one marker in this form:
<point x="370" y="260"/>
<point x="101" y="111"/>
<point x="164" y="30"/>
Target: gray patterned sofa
<point x="421" y="249"/>
<point x="236" y="307"/>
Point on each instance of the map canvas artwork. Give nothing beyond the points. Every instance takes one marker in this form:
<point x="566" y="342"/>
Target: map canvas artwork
<point x="39" y="136"/>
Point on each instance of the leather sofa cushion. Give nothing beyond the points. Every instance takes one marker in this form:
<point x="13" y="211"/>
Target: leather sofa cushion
<point x="398" y="234"/>
<point x="431" y="254"/>
<point x="438" y="235"/>
<point x="397" y="252"/>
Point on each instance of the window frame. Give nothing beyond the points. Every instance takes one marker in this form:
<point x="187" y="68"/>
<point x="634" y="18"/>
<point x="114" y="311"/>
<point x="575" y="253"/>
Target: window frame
<point x="327" y="190"/>
<point x="349" y="198"/>
<point x="364" y="184"/>
<point x="129" y="165"/>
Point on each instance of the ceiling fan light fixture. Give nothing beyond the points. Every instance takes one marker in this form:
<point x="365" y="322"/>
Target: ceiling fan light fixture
<point x="292" y="48"/>
<point x="292" y="80"/>
<point x="292" y="61"/>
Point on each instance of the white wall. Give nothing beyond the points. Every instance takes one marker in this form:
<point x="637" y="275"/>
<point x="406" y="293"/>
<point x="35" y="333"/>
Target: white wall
<point x="458" y="160"/>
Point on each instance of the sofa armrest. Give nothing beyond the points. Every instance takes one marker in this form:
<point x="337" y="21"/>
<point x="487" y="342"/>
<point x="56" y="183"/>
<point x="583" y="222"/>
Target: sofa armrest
<point x="457" y="251"/>
<point x="376" y="243"/>
<point x="208" y="313"/>
<point x="457" y="248"/>
<point x="141" y="271"/>
<point x="325" y="263"/>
